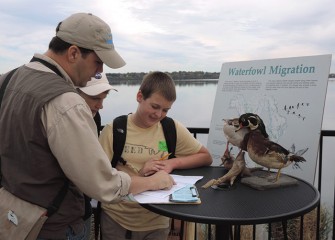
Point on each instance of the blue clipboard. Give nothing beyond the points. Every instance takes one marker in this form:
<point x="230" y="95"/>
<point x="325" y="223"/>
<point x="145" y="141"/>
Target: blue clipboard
<point x="187" y="194"/>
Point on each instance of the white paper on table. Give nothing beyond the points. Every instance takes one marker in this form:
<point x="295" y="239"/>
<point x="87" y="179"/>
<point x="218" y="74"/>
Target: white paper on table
<point x="162" y="196"/>
<point x="186" y="179"/>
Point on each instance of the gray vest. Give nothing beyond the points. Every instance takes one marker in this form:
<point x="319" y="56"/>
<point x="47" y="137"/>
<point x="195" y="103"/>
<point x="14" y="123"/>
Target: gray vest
<point x="29" y="169"/>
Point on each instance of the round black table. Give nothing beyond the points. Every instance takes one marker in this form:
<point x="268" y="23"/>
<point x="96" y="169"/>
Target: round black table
<point x="240" y="204"/>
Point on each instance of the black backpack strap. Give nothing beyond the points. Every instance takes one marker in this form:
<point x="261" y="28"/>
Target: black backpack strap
<point x="119" y="138"/>
<point x="47" y="64"/>
<point x="54" y="206"/>
<point x="170" y="135"/>
<point x="97" y="216"/>
<point x="97" y="120"/>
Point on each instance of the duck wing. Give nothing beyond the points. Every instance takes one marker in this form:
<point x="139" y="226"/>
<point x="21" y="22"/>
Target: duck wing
<point x="270" y="154"/>
<point x="265" y="152"/>
<point x="286" y="155"/>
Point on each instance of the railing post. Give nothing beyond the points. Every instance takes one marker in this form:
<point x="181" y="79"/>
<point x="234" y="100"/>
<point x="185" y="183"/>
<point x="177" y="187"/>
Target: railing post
<point x="319" y="187"/>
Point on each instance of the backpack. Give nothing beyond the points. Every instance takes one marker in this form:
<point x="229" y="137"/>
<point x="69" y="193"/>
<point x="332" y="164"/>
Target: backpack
<point x="120" y="133"/>
<point x="119" y="140"/>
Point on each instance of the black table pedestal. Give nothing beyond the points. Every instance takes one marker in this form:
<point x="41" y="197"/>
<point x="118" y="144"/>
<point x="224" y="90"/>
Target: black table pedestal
<point x="223" y="231"/>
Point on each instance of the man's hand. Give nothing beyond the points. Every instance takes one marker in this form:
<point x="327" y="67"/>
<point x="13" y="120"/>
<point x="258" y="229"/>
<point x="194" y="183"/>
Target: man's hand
<point x="157" y="181"/>
<point x="161" y="180"/>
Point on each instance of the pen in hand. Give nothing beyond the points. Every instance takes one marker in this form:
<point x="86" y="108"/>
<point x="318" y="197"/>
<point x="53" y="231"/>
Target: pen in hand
<point x="164" y="157"/>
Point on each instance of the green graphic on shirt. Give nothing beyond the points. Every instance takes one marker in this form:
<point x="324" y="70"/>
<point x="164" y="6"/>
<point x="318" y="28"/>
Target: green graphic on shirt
<point x="162" y="146"/>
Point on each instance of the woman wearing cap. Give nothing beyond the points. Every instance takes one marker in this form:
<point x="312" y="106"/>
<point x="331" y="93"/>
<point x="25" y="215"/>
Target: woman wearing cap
<point x="95" y="92"/>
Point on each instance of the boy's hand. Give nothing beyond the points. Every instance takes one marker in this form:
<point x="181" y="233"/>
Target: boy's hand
<point x="151" y="166"/>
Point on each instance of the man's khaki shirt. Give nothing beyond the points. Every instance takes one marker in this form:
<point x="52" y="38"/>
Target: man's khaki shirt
<point x="73" y="140"/>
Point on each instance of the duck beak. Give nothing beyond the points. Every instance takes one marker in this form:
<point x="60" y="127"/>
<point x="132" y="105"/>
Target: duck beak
<point x="239" y="127"/>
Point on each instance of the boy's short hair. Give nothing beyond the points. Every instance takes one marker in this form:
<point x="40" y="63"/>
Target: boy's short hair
<point x="158" y="82"/>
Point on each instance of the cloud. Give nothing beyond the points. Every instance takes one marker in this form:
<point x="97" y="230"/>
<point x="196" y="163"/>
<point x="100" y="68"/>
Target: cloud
<point x="191" y="35"/>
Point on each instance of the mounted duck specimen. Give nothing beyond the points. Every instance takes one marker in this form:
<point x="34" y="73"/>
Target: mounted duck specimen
<point x="263" y="151"/>
<point x="235" y="136"/>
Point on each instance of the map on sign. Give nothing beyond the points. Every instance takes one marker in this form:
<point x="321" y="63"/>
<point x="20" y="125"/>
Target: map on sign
<point x="288" y="94"/>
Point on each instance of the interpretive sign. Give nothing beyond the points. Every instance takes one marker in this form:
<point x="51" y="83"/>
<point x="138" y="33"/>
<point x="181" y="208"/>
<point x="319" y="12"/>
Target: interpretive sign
<point x="287" y="95"/>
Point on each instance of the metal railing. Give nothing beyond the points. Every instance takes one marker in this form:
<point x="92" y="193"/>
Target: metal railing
<point x="324" y="133"/>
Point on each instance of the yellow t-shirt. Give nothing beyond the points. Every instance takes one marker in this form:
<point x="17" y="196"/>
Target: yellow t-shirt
<point x="142" y="145"/>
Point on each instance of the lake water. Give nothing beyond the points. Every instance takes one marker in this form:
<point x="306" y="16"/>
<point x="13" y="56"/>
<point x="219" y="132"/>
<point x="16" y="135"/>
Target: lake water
<point x="193" y="108"/>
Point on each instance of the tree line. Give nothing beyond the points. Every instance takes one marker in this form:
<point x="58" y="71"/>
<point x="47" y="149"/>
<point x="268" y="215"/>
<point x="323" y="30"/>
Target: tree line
<point x="181" y="75"/>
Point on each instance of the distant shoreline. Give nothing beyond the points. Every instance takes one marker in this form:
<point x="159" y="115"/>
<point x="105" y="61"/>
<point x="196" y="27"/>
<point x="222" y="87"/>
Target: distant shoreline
<point x="177" y="76"/>
<point x="177" y="81"/>
<point x="180" y="77"/>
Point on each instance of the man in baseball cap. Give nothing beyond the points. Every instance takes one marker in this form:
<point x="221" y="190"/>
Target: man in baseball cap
<point x="88" y="31"/>
<point x="63" y="159"/>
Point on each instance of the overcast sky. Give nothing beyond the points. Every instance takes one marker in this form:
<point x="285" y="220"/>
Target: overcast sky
<point x="177" y="35"/>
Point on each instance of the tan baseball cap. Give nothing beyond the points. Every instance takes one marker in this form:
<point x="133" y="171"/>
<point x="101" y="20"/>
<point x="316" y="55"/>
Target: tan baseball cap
<point x="88" y="31"/>
<point x="97" y="85"/>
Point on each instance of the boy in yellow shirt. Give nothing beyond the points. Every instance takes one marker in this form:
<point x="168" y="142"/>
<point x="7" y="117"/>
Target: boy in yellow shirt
<point x="144" y="147"/>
